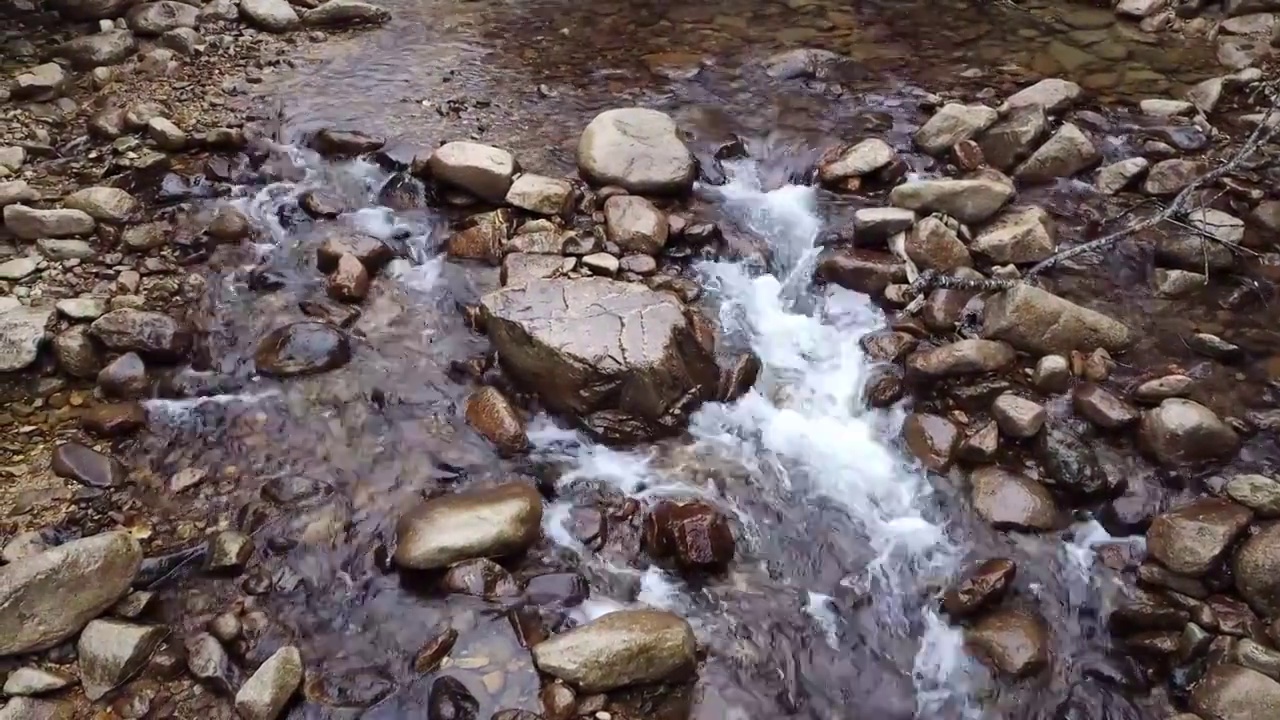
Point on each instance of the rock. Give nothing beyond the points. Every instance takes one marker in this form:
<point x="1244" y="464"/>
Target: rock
<point x="1115" y="177"/>
<point x="42" y="83"/>
<point x="864" y="271"/>
<point x="1182" y="431"/>
<point x="209" y="663"/>
<point x="111" y="420"/>
<point x="349" y="282"/>
<point x="1192" y="539"/>
<point x="369" y="250"/>
<point x="961" y="358"/>
<point x="1259" y="493"/>
<point x="934" y="246"/>
<point x="876" y="225"/>
<point x="932" y="439"/>
<point x="345" y="13"/>
<point x="695" y="535"/>
<point x="1257" y="570"/>
<point x="1178" y="283"/>
<point x="984" y="587"/>
<point x="1066" y="152"/>
<point x="1013" y="138"/>
<point x="16" y="191"/>
<point x="1162" y="108"/>
<point x="480" y="578"/>
<point x="90" y="9"/>
<point x="602" y="264"/>
<point x="1154" y="392"/>
<point x="82" y="308"/>
<point x="806" y="63"/>
<point x="111" y="651"/>
<point x="19" y="268"/>
<point x="166" y="135"/>
<point x="150" y="334"/>
<point x="151" y="19"/>
<point x="493" y="416"/>
<point x="31" y="224"/>
<point x="541" y="195"/>
<point x="952" y="124"/>
<point x="266" y="693"/>
<point x="125" y="378"/>
<point x="22" y="332"/>
<point x="1018" y="417"/>
<point x="1139" y="8"/>
<point x="1212" y="346"/>
<point x="429" y="657"/>
<point x="1169" y="177"/>
<point x="105" y="48"/>
<point x="302" y="348"/>
<point x="491" y="522"/>
<point x="1010" y="501"/>
<point x="87" y="466"/>
<point x="1231" y="692"/>
<point x="1265" y="215"/>
<point x="188" y="42"/>
<point x="635" y="225"/>
<point x="344" y="143"/>
<point x="24" y="708"/>
<point x="1238" y="53"/>
<point x="229" y="551"/>
<point x="1015" y="642"/>
<point x="35" y="681"/>
<point x="270" y="15"/>
<point x="482" y="170"/>
<point x="1228" y="229"/>
<point x="637" y="149"/>
<point x="981" y="445"/>
<point x="520" y="268"/>
<point x="1052" y="374"/>
<point x="450" y="700"/>
<point x="1102" y="408"/>
<point x="230" y="224"/>
<point x="1023" y="234"/>
<point x="1051" y="95"/>
<point x="572" y="339"/>
<point x="107" y="204"/>
<point x="861" y="159"/>
<point x="1069" y="463"/>
<point x="969" y="200"/>
<point x="628" y="647"/>
<point x="1036" y="321"/>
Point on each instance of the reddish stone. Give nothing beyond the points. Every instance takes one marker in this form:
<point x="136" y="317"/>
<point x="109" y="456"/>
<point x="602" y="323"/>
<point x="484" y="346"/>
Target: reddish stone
<point x="695" y="535"/>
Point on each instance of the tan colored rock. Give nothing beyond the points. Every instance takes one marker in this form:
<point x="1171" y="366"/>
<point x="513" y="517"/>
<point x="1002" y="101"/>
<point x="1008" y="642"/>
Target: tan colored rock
<point x="1231" y="692"/>
<point x="635" y="224"/>
<point x="969" y="200"/>
<point x="266" y="693"/>
<point x="493" y="416"/>
<point x="1018" y="235"/>
<point x="1191" y="539"/>
<point x="637" y="149"/>
<point x="540" y="194"/>
<point x="1034" y="320"/>
<point x="932" y="439"/>
<point x="624" y="648"/>
<point x="1115" y="177"/>
<point x="1014" y="137"/>
<point x="1182" y="431"/>
<point x="1066" y="152"/>
<point x="933" y="245"/>
<point x="482" y="170"/>
<point x="963" y="357"/>
<point x="486" y="523"/>
<point x="861" y="159"/>
<point x="952" y="124"/>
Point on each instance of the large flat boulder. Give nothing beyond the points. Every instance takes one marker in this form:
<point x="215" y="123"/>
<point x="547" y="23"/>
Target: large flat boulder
<point x="597" y="345"/>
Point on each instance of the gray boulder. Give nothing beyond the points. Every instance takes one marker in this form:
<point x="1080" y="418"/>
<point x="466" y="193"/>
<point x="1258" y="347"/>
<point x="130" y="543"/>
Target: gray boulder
<point x="151" y="19"/>
<point x="111" y="651"/>
<point x="266" y="693"/>
<point x="969" y="200"/>
<point x="629" y="647"/>
<point x="150" y="334"/>
<point x="108" y="204"/>
<point x="345" y="13"/>
<point x="105" y="48"/>
<point x="22" y="332"/>
<point x="32" y="224"/>
<point x="952" y="124"/>
<point x="271" y="15"/>
<point x="638" y="149"/>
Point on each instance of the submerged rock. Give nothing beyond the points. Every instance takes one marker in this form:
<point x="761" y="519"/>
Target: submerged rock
<point x="302" y="348"/>
<point x="1033" y="320"/>
<point x="87" y="466"/>
<point x="1183" y="431"/>
<point x="1115" y="177"/>
<point x="628" y="647"/>
<point x="985" y="586"/>
<point x="932" y="439"/>
<point x="1192" y="539"/>
<point x="450" y="700"/>
<point x="491" y="522"/>
<point x="637" y="149"/>
<point x="1069" y="463"/>
<point x="111" y="651"/>
<point x="1015" y="642"/>
<point x="48" y="597"/>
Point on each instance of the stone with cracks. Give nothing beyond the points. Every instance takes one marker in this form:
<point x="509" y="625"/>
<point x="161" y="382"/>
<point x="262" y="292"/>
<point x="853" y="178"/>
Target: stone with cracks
<point x="111" y="651"/>
<point x="28" y="223"/>
<point x="1018" y="235"/>
<point x="624" y="648"/>
<point x="1067" y="152"/>
<point x="48" y="597"/>
<point x="1051" y="94"/>
<point x="952" y="124"/>
<point x="864" y="158"/>
<point x="482" y="170"/>
<point x="266" y="693"/>
<point x="596" y="344"/>
<point x="637" y="149"/>
<point x="932" y="245"/>
<point x="969" y="200"/>
<point x="1037" y="321"/>
<point x="485" y="523"/>
<point x="1014" y="137"/>
<point x="22" y="332"/>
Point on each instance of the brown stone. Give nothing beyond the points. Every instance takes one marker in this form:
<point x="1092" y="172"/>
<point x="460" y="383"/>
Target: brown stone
<point x="1102" y="408"/>
<point x="1015" y="642"/>
<point x="695" y="535"/>
<point x="114" y="419"/>
<point x="1010" y="501"/>
<point x="369" y="250"/>
<point x="984" y="587"/>
<point x="493" y="416"/>
<point x="964" y="357"/>
<point x="1192" y="539"/>
<point x="932" y="439"/>
<point x="349" y="281"/>
<point x="1182" y="431"/>
<point x="864" y="271"/>
<point x="87" y="466"/>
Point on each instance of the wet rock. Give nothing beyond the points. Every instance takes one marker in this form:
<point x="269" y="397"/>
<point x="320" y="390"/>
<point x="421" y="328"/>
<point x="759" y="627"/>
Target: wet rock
<point x="969" y="200"/>
<point x="1156" y="575"/>
<point x="695" y="535"/>
<point x="566" y="589"/>
<point x="331" y="142"/>
<point x="208" y="662"/>
<point x="1102" y="408"/>
<point x="1018" y="235"/>
<point x="1067" y="152"/>
<point x="35" y="681"/>
<point x="31" y="224"/>
<point x="125" y="378"/>
<point x="114" y="419"/>
<point x="984" y="587"/>
<point x="1182" y="431"/>
<point x="229" y="225"/>
<point x="861" y="159"/>
<point x="961" y="358"/>
<point x="541" y="195"/>
<point x="933" y="245"/>
<point x="105" y="48"/>
<point x="428" y="659"/>
<point x="981" y="445"/>
<point x="1169" y="177"/>
<point x="876" y="225"/>
<point x="635" y="225"/>
<point x="1154" y="392"/>
<point x="492" y="522"/>
<point x="1010" y="501"/>
<point x="482" y="170"/>
<point x="77" y="353"/>
<point x="111" y="651"/>
<point x="450" y="700"/>
<point x="266" y="693"/>
<point x="494" y="417"/>
<point x="1146" y="612"/>
<point x="1018" y="417"/>
<point x="1068" y="462"/>
<point x="1117" y="176"/>
<point x="480" y="578"/>
<point x="1015" y="642"/>
<point x="952" y="124"/>
<point x="932" y="439"/>
<point x="1192" y="539"/>
<point x="1231" y="692"/>
<point x="1012" y="139"/>
<point x="1052" y="374"/>
<point x="302" y="348"/>
<point x="1212" y="346"/>
<point x="1178" y="283"/>
<point x="864" y="271"/>
<point x="637" y="149"/>
<point x="1259" y="493"/>
<point x="87" y="466"/>
<point x="321" y="204"/>
<point x="1033" y="320"/>
<point x="1052" y="95"/>
<point x="270" y="15"/>
<point x="345" y="13"/>
<point x="150" y="334"/>
<point x="369" y="250"/>
<point x="628" y="647"/>
<point x="151" y="19"/>
<point x="349" y="282"/>
<point x="1253" y="656"/>
<point x="1257" y="570"/>
<point x="22" y="332"/>
<point x="552" y="334"/>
